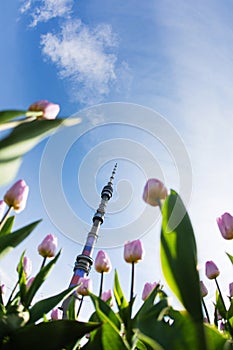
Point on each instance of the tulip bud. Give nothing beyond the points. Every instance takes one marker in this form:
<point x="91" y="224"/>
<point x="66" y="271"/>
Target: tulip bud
<point x="225" y="224"/>
<point x="27" y="266"/>
<point x="211" y="270"/>
<point x="56" y="314"/>
<point x="29" y="282"/>
<point x="203" y="289"/>
<point x="107" y="297"/>
<point x="85" y="286"/>
<point x="3" y="289"/>
<point x="2" y="209"/>
<point x="148" y="288"/>
<point x="48" y="246"/>
<point x="49" y="110"/>
<point x="231" y="289"/>
<point x="133" y="251"/>
<point x="154" y="191"/>
<point x="16" y="196"/>
<point x="102" y="262"/>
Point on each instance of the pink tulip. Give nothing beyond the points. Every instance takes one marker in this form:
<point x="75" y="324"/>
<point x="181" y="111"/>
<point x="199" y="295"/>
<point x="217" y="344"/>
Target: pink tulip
<point x="2" y="209"/>
<point x="85" y="286"/>
<point x="133" y="251"/>
<point x="211" y="270"/>
<point x="102" y="262"/>
<point x="225" y="224"/>
<point x="49" y="110"/>
<point x="3" y="289"/>
<point x="148" y="288"/>
<point x="17" y="195"/>
<point x="27" y="266"/>
<point x="231" y="289"/>
<point x="29" y="282"/>
<point x="154" y="191"/>
<point x="48" y="246"/>
<point x="107" y="296"/>
<point x="56" y="314"/>
<point x="203" y="289"/>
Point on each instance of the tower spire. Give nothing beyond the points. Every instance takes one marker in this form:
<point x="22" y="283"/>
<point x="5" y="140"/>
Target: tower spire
<point x="84" y="261"/>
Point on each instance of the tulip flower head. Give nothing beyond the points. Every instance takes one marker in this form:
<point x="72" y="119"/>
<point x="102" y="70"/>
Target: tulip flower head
<point x="49" y="110"/>
<point x="2" y="209"/>
<point x="225" y="224"/>
<point x="3" y="288"/>
<point x="56" y="314"/>
<point x="48" y="246"/>
<point x="29" y="282"/>
<point x="16" y="196"/>
<point x="154" y="191"/>
<point x="148" y="288"/>
<point x="27" y="266"/>
<point x="203" y="289"/>
<point x="85" y="286"/>
<point x="102" y="262"/>
<point x="107" y="297"/>
<point x="133" y="251"/>
<point x="211" y="270"/>
<point x="231" y="289"/>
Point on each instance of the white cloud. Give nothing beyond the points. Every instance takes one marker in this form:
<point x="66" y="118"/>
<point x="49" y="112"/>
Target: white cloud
<point x="46" y="10"/>
<point x="85" y="56"/>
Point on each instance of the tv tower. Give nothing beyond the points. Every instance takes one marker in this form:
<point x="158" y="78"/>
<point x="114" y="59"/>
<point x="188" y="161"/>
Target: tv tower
<point x="84" y="261"/>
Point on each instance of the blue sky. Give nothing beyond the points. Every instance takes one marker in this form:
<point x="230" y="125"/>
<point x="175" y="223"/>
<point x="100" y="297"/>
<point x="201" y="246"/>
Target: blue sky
<point x="174" y="58"/>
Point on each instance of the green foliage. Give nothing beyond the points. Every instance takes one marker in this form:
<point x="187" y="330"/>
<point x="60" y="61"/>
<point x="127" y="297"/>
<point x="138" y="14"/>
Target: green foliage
<point x="6" y="116"/>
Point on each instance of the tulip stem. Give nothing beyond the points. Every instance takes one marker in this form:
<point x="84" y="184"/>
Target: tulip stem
<point x="101" y="284"/>
<point x="5" y="217"/>
<point x="132" y="285"/>
<point x="159" y="204"/>
<point x="43" y="262"/>
<point x="80" y="305"/>
<point x="206" y="311"/>
<point x="12" y="293"/>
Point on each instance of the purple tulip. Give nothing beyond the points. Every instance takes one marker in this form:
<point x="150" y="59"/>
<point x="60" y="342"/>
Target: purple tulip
<point x="85" y="286"/>
<point x="231" y="289"/>
<point x="133" y="251"/>
<point x="3" y="288"/>
<point x="102" y="262"/>
<point x="225" y="224"/>
<point x="211" y="270"/>
<point x="203" y="289"/>
<point x="48" y="246"/>
<point x="49" y="110"/>
<point x="27" y="266"/>
<point x="154" y="191"/>
<point x="29" y="282"/>
<point x="56" y="314"/>
<point x="16" y="196"/>
<point x="107" y="296"/>
<point x="148" y="288"/>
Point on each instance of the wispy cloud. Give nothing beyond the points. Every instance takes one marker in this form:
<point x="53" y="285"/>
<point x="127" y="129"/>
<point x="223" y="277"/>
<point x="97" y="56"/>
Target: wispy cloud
<point x="84" y="55"/>
<point x="46" y="9"/>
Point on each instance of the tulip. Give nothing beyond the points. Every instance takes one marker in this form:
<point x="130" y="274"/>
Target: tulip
<point x="2" y="209"/>
<point x="107" y="297"/>
<point x="203" y="289"/>
<point x="133" y="251"/>
<point x="49" y="110"/>
<point x="231" y="289"/>
<point x="16" y="196"/>
<point x="27" y="266"/>
<point x="85" y="286"/>
<point x="148" y="288"/>
<point x="29" y="282"/>
<point x="3" y="289"/>
<point x="102" y="262"/>
<point x="225" y="224"/>
<point x="56" y="314"/>
<point x="48" y="246"/>
<point x="211" y="270"/>
<point x="154" y="191"/>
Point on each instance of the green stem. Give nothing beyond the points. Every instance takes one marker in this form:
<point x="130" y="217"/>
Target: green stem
<point x="132" y="286"/>
<point x="5" y="217"/>
<point x="43" y="262"/>
<point x="129" y="333"/>
<point x="101" y="284"/>
<point x="80" y="305"/>
<point x="206" y="311"/>
<point x="12" y="293"/>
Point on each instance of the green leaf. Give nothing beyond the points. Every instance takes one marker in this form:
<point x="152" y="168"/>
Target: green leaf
<point x="10" y="241"/>
<point x="119" y="296"/>
<point x="44" y="306"/>
<point x="21" y="140"/>
<point x="148" y="303"/>
<point x="178" y="255"/>
<point x="230" y="257"/>
<point x="7" y="228"/>
<point x="147" y="340"/>
<point x="54" y="335"/>
<point x="7" y="115"/>
<point x="22" y="278"/>
<point x="38" y="281"/>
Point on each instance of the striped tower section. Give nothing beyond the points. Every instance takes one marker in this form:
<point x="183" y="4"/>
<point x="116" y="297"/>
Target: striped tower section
<point x="84" y="261"/>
